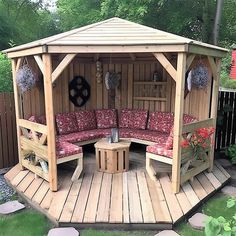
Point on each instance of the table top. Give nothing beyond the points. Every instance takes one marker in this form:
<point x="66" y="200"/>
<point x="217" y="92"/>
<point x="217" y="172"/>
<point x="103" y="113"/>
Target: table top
<point x="103" y="143"/>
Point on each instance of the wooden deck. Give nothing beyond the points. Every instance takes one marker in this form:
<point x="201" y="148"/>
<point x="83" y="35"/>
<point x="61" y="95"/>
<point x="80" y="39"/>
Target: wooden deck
<point x="129" y="200"/>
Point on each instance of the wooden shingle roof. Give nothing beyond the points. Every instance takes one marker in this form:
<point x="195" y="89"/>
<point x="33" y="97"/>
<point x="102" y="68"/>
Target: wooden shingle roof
<point x="113" y="32"/>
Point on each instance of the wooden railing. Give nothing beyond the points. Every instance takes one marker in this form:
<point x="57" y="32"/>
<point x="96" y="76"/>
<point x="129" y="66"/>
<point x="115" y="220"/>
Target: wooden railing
<point x="188" y="168"/>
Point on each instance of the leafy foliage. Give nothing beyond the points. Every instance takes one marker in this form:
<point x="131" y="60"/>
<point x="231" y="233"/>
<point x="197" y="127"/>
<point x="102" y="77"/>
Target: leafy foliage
<point x="222" y="225"/>
<point x="5" y="74"/>
<point x="231" y="153"/>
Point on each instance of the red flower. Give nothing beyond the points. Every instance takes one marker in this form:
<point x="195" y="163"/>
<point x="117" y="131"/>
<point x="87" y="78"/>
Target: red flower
<point x="185" y="143"/>
<point x="203" y="132"/>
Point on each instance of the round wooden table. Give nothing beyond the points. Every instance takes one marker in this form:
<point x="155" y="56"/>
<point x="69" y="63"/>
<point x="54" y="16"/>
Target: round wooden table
<point x="112" y="157"/>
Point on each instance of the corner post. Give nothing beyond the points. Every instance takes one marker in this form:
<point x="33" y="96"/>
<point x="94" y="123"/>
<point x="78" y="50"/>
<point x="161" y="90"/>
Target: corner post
<point x="15" y="66"/>
<point x="214" y="103"/>
<point x="178" y="120"/>
<point x="48" y="90"/>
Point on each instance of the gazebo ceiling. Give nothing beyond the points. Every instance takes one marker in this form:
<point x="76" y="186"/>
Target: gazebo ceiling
<point x="114" y="35"/>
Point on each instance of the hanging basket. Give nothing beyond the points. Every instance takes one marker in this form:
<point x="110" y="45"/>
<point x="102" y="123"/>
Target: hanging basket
<point x="25" y="78"/>
<point x="112" y="80"/>
<point x="200" y="76"/>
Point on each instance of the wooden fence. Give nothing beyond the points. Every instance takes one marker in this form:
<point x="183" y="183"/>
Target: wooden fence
<point x="8" y="137"/>
<point x="226" y="127"/>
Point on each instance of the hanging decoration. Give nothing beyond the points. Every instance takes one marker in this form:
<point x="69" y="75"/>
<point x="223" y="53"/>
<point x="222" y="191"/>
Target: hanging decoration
<point x="112" y="80"/>
<point x="199" y="76"/>
<point x="99" y="72"/>
<point x="79" y="91"/>
<point x="25" y="78"/>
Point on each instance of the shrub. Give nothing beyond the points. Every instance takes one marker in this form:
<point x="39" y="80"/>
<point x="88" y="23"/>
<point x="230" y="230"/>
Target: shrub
<point x="231" y="153"/>
<point x="5" y="74"/>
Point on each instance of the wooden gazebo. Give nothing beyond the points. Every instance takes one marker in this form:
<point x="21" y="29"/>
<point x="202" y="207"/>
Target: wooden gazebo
<point x="134" y="50"/>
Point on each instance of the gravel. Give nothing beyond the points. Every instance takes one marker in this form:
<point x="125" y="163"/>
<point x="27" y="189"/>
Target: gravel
<point x="6" y="192"/>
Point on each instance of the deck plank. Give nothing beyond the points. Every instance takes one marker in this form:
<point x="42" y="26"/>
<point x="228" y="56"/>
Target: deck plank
<point x="183" y="201"/>
<point x="104" y="200"/>
<point x="25" y="183"/>
<point x="222" y="169"/>
<point x="71" y="201"/>
<point x="126" y="218"/>
<point x="19" y="177"/>
<point x="134" y="200"/>
<point x="219" y="175"/>
<point x="11" y="174"/>
<point x="59" y="198"/>
<point x="91" y="208"/>
<point x="33" y="187"/>
<point x="191" y="195"/>
<point x="214" y="181"/>
<point x="147" y="210"/>
<point x="47" y="200"/>
<point x="172" y="202"/>
<point x="116" y="199"/>
<point x="206" y="184"/>
<point x="159" y="204"/>
<point x="80" y="206"/>
<point x="41" y="192"/>
<point x="198" y="189"/>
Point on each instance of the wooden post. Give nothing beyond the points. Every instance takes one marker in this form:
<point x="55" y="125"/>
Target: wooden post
<point x="17" y="99"/>
<point x="52" y="162"/>
<point x="178" y="120"/>
<point x="214" y="101"/>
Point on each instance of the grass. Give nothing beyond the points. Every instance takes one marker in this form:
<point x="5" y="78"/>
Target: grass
<point x="215" y="207"/>
<point x="27" y="222"/>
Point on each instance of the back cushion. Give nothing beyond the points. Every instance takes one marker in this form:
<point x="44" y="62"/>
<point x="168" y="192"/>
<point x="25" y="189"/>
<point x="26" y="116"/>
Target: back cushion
<point x="186" y="120"/>
<point x="106" y="118"/>
<point x="66" y="123"/>
<point x="86" y="120"/>
<point x="133" y="119"/>
<point x="161" y="121"/>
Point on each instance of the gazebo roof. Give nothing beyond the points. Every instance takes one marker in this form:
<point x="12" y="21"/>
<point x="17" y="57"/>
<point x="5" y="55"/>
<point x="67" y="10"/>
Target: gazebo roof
<point x="112" y="32"/>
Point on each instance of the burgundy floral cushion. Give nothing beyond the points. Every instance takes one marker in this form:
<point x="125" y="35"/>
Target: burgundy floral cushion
<point x="33" y="119"/>
<point x="153" y="136"/>
<point x="64" y="149"/>
<point x="133" y="119"/>
<point x="160" y="150"/>
<point x="161" y="121"/>
<point x="186" y="120"/>
<point x="125" y="133"/>
<point x="86" y="120"/>
<point x="42" y="120"/>
<point x="106" y="118"/>
<point x="126" y="118"/>
<point x="66" y="123"/>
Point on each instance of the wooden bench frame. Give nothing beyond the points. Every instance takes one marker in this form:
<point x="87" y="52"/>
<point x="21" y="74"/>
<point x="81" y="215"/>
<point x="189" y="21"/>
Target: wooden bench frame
<point x="31" y="140"/>
<point x="165" y="163"/>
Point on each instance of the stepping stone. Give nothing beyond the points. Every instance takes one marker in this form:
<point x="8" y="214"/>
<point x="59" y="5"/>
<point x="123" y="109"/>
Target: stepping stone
<point x="10" y="207"/>
<point x="167" y="233"/>
<point x="197" y="221"/>
<point x="229" y="190"/>
<point x="70" y="231"/>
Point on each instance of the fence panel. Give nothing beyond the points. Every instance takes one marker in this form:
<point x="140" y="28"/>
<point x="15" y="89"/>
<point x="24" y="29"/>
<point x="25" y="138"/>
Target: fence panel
<point x="226" y="129"/>
<point x="8" y="137"/>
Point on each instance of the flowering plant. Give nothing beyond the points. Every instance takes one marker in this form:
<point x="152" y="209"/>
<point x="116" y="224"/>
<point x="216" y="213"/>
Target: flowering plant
<point x="199" y="141"/>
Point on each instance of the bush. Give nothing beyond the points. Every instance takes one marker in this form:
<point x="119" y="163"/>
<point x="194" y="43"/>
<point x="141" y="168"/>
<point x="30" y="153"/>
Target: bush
<point x="5" y="74"/>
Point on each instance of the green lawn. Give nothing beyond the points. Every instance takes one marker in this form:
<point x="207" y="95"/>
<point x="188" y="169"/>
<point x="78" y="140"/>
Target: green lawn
<point x="215" y="207"/>
<point x="25" y="223"/>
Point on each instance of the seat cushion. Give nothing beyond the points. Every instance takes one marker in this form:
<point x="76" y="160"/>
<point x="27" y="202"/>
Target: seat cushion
<point x="106" y="118"/>
<point x="160" y="150"/>
<point x="149" y="135"/>
<point x="160" y="121"/>
<point x="125" y="132"/>
<point x="66" y="123"/>
<point x="133" y="119"/>
<point x="86" y="120"/>
<point x="64" y="149"/>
